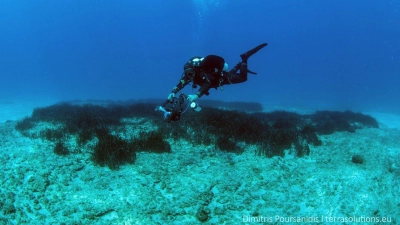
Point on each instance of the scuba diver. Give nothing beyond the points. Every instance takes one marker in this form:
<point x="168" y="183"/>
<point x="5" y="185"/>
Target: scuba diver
<point x="212" y="72"/>
<point x="208" y="72"/>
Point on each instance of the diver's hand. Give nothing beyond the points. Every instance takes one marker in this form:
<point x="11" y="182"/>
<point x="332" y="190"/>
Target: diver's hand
<point x="192" y="97"/>
<point x="171" y="96"/>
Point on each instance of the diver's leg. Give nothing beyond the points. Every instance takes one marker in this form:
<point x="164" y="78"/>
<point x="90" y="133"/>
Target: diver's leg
<point x="235" y="69"/>
<point x="234" y="77"/>
<point x="245" y="56"/>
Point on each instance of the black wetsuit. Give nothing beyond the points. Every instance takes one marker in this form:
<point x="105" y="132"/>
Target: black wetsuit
<point x="209" y="75"/>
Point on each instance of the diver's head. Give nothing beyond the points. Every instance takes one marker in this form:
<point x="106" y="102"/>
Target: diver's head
<point x="194" y="61"/>
<point x="189" y="67"/>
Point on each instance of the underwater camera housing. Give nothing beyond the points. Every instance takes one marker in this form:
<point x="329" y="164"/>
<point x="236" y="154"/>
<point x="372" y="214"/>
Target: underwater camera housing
<point x="169" y="115"/>
<point x="173" y="109"/>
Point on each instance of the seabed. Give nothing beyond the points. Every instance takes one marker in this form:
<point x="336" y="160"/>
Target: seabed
<point x="198" y="183"/>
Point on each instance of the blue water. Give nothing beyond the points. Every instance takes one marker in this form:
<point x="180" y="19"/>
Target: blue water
<point x="334" y="54"/>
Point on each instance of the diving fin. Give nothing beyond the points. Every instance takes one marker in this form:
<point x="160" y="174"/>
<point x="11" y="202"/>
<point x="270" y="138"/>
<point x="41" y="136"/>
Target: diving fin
<point x="251" y="52"/>
<point x="249" y="71"/>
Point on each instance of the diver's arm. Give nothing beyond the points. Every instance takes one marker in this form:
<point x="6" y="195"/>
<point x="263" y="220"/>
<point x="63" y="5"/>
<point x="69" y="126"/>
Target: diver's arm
<point x="182" y="83"/>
